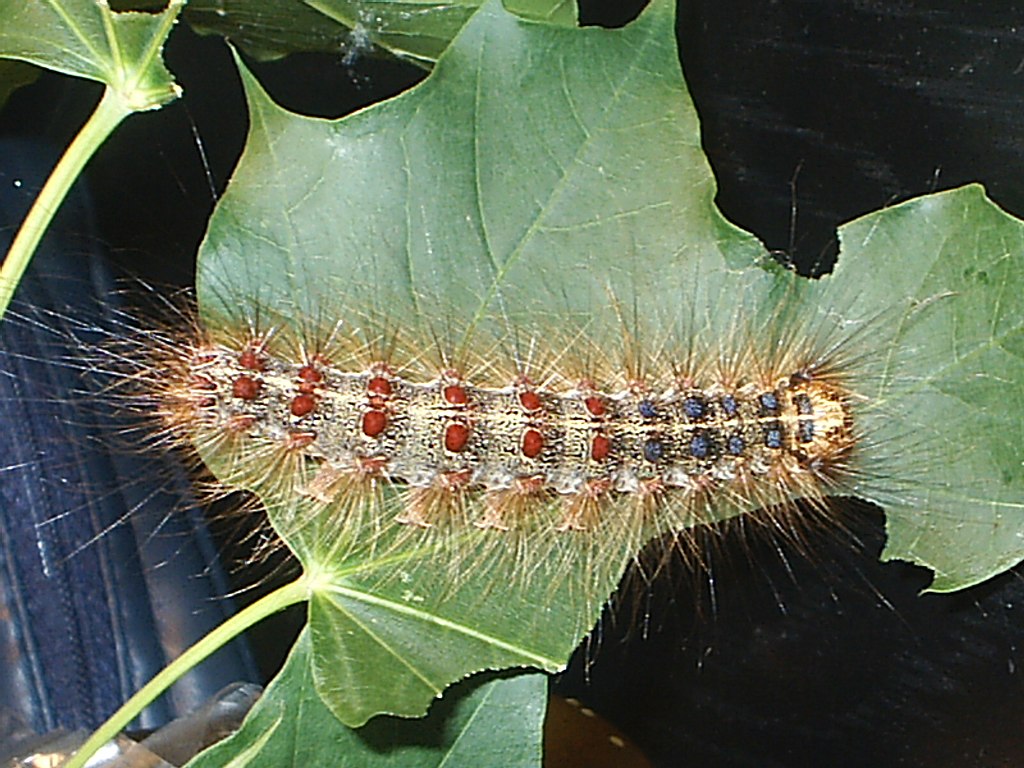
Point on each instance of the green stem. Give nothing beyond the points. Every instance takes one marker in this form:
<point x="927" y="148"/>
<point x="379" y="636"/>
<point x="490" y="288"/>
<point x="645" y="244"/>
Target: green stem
<point x="105" y="118"/>
<point x="279" y="599"/>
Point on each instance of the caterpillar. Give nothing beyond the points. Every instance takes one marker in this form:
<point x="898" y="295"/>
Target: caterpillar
<point x="570" y="451"/>
<point x="466" y="439"/>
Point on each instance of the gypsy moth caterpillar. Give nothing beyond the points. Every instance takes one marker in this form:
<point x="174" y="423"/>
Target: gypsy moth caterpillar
<point x="481" y="288"/>
<point x="572" y="436"/>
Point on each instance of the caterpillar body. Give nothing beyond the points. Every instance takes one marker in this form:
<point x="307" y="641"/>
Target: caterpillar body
<point x="452" y="442"/>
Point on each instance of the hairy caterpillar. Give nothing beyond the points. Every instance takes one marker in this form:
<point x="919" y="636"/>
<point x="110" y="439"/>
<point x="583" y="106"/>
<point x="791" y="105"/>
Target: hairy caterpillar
<point x="496" y="448"/>
<point x="342" y="500"/>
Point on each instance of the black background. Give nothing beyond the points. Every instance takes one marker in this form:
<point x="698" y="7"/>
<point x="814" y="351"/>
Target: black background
<point x="813" y="113"/>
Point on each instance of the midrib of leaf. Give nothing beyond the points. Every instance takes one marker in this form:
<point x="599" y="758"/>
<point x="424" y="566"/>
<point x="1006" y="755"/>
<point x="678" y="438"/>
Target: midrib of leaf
<point x="246" y="755"/>
<point x="116" y="59"/>
<point x="121" y="97"/>
<point x="502" y="268"/>
<point x="955" y="361"/>
<point x="890" y="368"/>
<point x="168" y="18"/>
<point x="430" y="618"/>
<point x="985" y="500"/>
<point x="407" y="262"/>
<point x="480" y="707"/>
<point x="73" y="26"/>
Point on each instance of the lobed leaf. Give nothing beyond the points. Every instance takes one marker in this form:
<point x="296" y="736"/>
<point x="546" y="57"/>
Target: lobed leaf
<point x="497" y="722"/>
<point x="548" y="183"/>
<point x="951" y="431"/>
<point x="85" y="38"/>
<point x="422" y="29"/>
<point x="269" y="29"/>
<point x="418" y="30"/>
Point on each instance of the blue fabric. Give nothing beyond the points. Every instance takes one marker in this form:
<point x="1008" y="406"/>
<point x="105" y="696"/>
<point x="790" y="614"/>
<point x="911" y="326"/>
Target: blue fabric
<point x="106" y="569"/>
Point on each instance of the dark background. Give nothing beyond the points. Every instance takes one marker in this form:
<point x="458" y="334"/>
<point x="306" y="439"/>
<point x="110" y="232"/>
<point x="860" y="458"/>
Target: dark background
<point x="813" y="113"/>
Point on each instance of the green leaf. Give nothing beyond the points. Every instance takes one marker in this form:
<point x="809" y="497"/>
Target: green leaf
<point x="454" y="195"/>
<point x="422" y="29"/>
<point x="495" y="722"/>
<point x="950" y="381"/>
<point x="86" y="39"/>
<point x="270" y="29"/>
<point x="548" y="184"/>
<point x="449" y="202"/>
<point x="419" y="30"/>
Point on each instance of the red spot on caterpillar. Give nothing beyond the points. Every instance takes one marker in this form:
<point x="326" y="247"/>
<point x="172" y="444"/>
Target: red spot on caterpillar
<point x="310" y="374"/>
<point x="309" y="377"/>
<point x="296" y="440"/>
<point x="530" y="401"/>
<point x="245" y="387"/>
<point x="303" y="404"/>
<point x="378" y="385"/>
<point x="595" y="405"/>
<point x="456" y="395"/>
<point x="504" y="442"/>
<point x="533" y="443"/>
<point x="456" y="436"/>
<point x="374" y="423"/>
<point x="249" y="359"/>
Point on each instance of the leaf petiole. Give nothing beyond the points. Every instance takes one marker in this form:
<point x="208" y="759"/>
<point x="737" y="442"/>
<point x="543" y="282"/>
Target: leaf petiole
<point x="108" y="114"/>
<point x="278" y="600"/>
